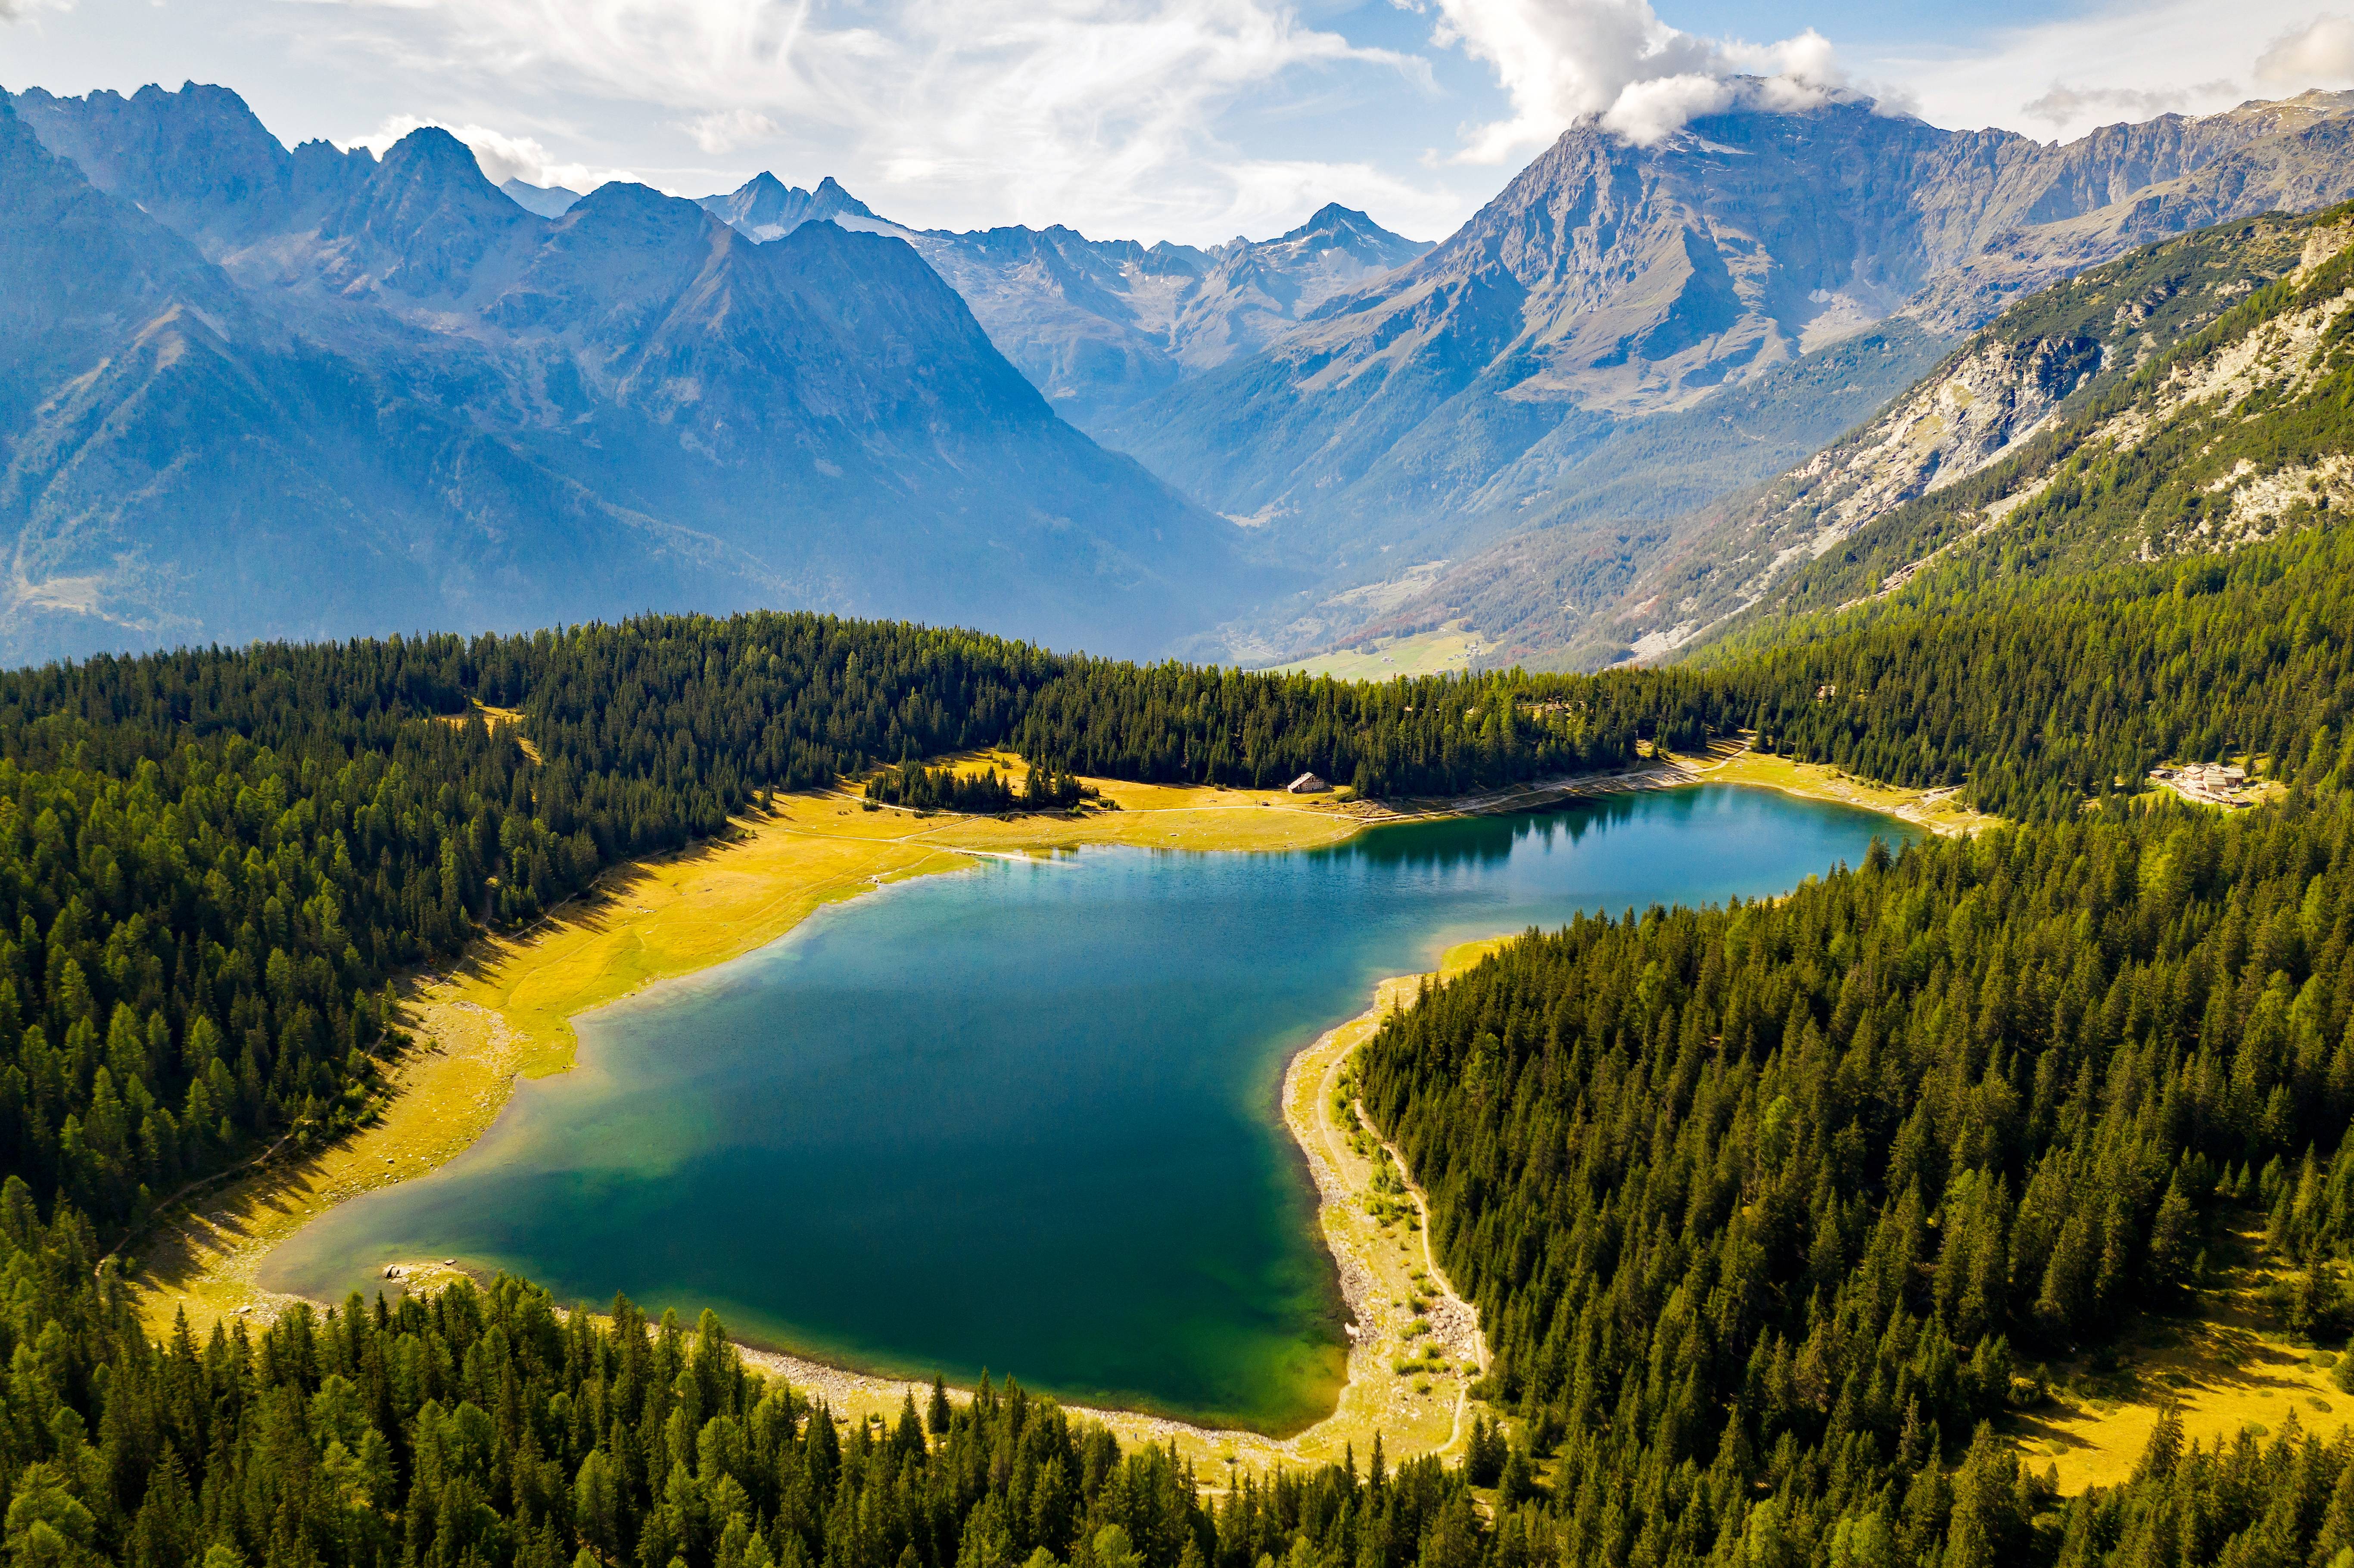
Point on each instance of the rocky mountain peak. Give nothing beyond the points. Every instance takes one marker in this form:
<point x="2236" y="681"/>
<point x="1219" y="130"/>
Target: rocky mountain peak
<point x="1334" y="227"/>
<point x="764" y="208"/>
<point x="182" y="154"/>
<point x="426" y="216"/>
<point x="830" y="200"/>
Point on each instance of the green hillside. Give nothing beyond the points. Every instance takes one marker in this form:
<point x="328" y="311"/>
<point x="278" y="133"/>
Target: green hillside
<point x="2218" y="419"/>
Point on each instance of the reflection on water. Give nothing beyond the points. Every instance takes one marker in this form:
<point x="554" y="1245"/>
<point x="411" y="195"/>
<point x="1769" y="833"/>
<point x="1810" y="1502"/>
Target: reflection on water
<point x="1491" y="840"/>
<point x="1024" y="1116"/>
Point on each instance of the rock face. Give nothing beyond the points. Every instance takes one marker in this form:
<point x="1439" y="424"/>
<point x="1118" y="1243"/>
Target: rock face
<point x="1099" y="325"/>
<point x="2000" y="411"/>
<point x="1455" y="399"/>
<point x="246" y="392"/>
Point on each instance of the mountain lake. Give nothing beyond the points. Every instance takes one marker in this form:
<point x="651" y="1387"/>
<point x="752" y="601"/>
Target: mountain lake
<point x="1024" y="1116"/>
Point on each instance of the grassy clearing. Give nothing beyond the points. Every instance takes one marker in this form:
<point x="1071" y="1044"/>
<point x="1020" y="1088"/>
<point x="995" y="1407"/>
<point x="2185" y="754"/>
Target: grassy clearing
<point x="1939" y="811"/>
<point x="1449" y="650"/>
<point x="2223" y="1365"/>
<point x="495" y="718"/>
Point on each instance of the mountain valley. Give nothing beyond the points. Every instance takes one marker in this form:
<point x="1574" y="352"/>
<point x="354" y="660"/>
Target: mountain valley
<point x="1761" y="974"/>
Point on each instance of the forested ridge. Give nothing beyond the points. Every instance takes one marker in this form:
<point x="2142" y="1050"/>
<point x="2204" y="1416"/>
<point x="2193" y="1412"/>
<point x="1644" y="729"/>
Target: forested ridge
<point x="2037" y="696"/>
<point x="486" y="1427"/>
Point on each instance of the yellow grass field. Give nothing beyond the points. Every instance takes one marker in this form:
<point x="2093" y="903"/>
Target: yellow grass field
<point x="1939" y="811"/>
<point x="2224" y="1368"/>
<point x="1445" y="651"/>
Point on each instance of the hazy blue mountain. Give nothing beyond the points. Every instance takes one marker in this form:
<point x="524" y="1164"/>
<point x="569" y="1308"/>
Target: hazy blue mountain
<point x="179" y="468"/>
<point x="1099" y="325"/>
<point x="547" y="201"/>
<point x="1489" y="386"/>
<point x="765" y="207"/>
<point x="250" y="392"/>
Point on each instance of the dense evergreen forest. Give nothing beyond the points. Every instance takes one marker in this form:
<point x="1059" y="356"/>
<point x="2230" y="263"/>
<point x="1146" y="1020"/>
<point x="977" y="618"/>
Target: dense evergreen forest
<point x="2037" y="696"/>
<point x="212" y="864"/>
<point x="486" y="1428"/>
<point x="987" y="792"/>
<point x="1768" y="1208"/>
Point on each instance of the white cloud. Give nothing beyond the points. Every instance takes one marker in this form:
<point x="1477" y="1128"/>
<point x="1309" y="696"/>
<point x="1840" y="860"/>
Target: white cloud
<point x="502" y="157"/>
<point x="2066" y="105"/>
<point x="1564" y="61"/>
<point x="1031" y="109"/>
<point x="22" y="10"/>
<point x="725" y="130"/>
<point x="2320" y="51"/>
<point x="2118" y="62"/>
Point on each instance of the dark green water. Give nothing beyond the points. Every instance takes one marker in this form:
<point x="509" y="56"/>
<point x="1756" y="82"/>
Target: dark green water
<point x="1025" y="1117"/>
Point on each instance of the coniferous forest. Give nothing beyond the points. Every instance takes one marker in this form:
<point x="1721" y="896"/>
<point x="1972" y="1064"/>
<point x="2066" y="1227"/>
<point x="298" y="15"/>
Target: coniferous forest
<point x="1770" y="1210"/>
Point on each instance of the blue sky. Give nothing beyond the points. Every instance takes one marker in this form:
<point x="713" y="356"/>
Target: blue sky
<point x="1193" y="120"/>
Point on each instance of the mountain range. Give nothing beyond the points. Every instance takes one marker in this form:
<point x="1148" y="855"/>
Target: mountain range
<point x="247" y="391"/>
<point x="1100" y="325"/>
<point x="1627" y="333"/>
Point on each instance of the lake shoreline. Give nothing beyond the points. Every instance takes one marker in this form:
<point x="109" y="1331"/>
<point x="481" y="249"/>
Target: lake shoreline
<point x="499" y="1015"/>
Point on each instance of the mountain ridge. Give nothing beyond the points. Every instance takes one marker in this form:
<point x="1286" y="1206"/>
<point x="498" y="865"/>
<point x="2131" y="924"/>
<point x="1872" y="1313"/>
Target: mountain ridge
<point x="1930" y="482"/>
<point x="629" y="402"/>
<point x="1607" y="282"/>
<point x="1524" y="388"/>
<point x="1098" y="325"/>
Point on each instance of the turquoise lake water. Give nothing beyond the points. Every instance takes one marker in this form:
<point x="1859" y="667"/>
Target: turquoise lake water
<point x="1024" y="1116"/>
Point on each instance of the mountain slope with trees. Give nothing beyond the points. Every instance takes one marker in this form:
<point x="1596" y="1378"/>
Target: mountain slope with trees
<point x="1958" y="469"/>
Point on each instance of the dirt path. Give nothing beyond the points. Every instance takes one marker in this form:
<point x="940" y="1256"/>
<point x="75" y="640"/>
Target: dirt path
<point x="1447" y="1295"/>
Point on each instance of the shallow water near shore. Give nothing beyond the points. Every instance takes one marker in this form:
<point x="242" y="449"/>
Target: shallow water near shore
<point x="1024" y="1116"/>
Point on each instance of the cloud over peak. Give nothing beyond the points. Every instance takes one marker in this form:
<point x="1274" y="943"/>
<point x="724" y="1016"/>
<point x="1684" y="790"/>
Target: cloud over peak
<point x="500" y="157"/>
<point x="2322" y="50"/>
<point x="1615" y="62"/>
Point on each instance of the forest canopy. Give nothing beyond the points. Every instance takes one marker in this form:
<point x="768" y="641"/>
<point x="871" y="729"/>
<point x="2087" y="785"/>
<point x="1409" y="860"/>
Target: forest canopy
<point x="1767" y="1207"/>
